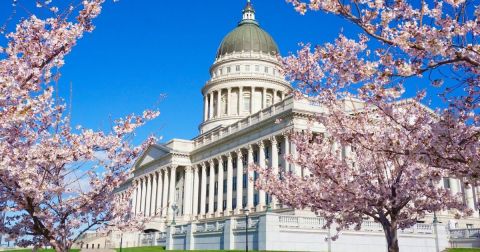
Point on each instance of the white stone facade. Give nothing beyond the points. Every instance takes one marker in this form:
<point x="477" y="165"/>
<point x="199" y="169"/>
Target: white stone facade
<point x="248" y="116"/>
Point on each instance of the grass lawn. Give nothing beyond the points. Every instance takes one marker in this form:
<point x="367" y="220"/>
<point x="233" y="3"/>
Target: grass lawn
<point x="464" y="250"/>
<point x="42" y="250"/>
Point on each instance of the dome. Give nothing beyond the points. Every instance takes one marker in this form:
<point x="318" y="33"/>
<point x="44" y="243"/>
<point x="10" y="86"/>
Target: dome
<point x="248" y="37"/>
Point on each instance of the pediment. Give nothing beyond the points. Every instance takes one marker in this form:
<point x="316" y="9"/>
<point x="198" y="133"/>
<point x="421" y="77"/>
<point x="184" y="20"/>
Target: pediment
<point x="152" y="153"/>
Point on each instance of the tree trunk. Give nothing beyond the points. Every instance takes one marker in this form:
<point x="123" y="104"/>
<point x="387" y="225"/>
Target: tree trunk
<point x="392" y="238"/>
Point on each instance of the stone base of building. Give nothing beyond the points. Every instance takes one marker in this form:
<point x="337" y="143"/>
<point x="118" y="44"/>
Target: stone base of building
<point x="279" y="231"/>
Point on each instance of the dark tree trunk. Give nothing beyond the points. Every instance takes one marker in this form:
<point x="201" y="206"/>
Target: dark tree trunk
<point x="391" y="236"/>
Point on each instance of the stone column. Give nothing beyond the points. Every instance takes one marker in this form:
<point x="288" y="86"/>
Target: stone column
<point x="252" y="100"/>
<point x="173" y="180"/>
<point x="153" y="204"/>
<point x="205" y="108"/>
<point x="137" y="197"/>
<point x="229" y="183"/>
<point x="187" y="199"/>
<point x="196" y="183"/>
<point x="165" y="209"/>
<point x="286" y="151"/>
<point x="144" y="196"/>
<point x="210" y="104"/>
<point x="159" y="193"/>
<point x="220" y="187"/>
<point x="261" y="193"/>
<point x="240" y="100"/>
<point x="203" y="195"/>
<point x="219" y="103"/>
<point x="454" y="186"/>
<point x="274" y="96"/>
<point x="296" y="169"/>
<point x="149" y="195"/>
<point x="283" y="95"/>
<point x="229" y="105"/>
<point x="264" y="98"/>
<point x="239" y="181"/>
<point x="274" y="165"/>
<point x="211" y="189"/>
<point x="250" y="189"/>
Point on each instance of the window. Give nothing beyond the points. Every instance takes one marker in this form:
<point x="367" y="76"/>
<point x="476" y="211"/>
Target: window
<point x="446" y="183"/>
<point x="255" y="199"/>
<point x="247" y="68"/>
<point x="224" y="186"/>
<point x="267" y="152"/>
<point x="224" y="205"/>
<point x="221" y="71"/>
<point x="216" y="188"/>
<point x="244" y="180"/>
<point x="224" y="165"/>
<point x="266" y="70"/>
<point x="224" y="104"/>
<point x="208" y="189"/>
<point x="215" y="206"/>
<point x="255" y="156"/>
<point x="234" y="203"/>
<point x="246" y="102"/>
<point x="237" y="68"/>
<point x="279" y="148"/>
<point x="234" y="163"/>
<point x="274" y="72"/>
<point x="245" y="160"/>
<point x="234" y="183"/>
<point x="269" y="100"/>
<point x="244" y="201"/>
<point x="228" y="69"/>
<point x="257" y="68"/>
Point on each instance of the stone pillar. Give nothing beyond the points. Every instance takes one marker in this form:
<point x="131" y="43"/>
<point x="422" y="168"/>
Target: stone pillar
<point x="240" y="100"/>
<point x="286" y="151"/>
<point x="159" y="193"/>
<point x="274" y="96"/>
<point x="149" y="195"/>
<point x="252" y="100"/>
<point x="239" y="181"/>
<point x="264" y="98"/>
<point x="219" y="103"/>
<point x="220" y="187"/>
<point x="229" y="238"/>
<point x="261" y="193"/>
<point x="211" y="189"/>
<point x="165" y="209"/>
<point x="229" y="183"/>
<point x="205" y="107"/>
<point x="144" y="197"/>
<point x="189" y="237"/>
<point x="136" y="201"/>
<point x="268" y="232"/>
<point x="153" y="204"/>
<point x="274" y="165"/>
<point x="229" y="105"/>
<point x="469" y="198"/>
<point x="296" y="169"/>
<point x="210" y="103"/>
<point x="196" y="178"/>
<point x="187" y="199"/>
<point x="173" y="180"/>
<point x="454" y="186"/>
<point x="250" y="189"/>
<point x="203" y="195"/>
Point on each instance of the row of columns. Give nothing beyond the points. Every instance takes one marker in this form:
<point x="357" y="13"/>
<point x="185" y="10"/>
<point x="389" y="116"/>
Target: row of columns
<point x="211" y="111"/>
<point x="155" y="192"/>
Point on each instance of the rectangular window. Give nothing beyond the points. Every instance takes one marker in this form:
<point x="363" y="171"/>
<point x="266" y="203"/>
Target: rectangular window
<point x="279" y="148"/>
<point x="246" y="102"/>
<point x="234" y="183"/>
<point x="244" y="180"/>
<point x="255" y="157"/>
<point x="237" y="68"/>
<point x="257" y="68"/>
<point x="266" y="70"/>
<point x="244" y="201"/>
<point x="234" y="163"/>
<point x="216" y="188"/>
<point x="208" y="189"/>
<point x="247" y="68"/>
<point x="255" y="199"/>
<point x="224" y="186"/>
<point x="274" y="72"/>
<point x="225" y="165"/>
<point x="234" y="203"/>
<point x="446" y="183"/>
<point x="267" y="152"/>
<point x="224" y="205"/>
<point x="228" y="69"/>
<point x="215" y="206"/>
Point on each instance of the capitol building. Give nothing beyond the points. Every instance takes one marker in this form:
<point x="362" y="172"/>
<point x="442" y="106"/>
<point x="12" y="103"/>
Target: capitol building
<point x="200" y="193"/>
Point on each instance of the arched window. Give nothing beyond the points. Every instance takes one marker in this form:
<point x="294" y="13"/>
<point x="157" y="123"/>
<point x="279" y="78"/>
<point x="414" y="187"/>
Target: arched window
<point x="246" y="102"/>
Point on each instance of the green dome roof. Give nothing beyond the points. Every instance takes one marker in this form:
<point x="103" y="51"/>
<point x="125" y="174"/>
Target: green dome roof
<point x="248" y="37"/>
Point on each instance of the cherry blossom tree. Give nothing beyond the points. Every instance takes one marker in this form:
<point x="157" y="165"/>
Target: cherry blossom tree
<point x="383" y="156"/>
<point x="57" y="182"/>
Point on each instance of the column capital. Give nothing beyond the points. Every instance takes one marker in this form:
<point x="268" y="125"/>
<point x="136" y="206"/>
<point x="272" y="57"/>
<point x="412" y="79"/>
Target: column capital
<point x="188" y="169"/>
<point x="165" y="170"/>
<point x="250" y="148"/>
<point x="211" y="162"/>
<point x="286" y="134"/>
<point x="261" y="144"/>
<point x="273" y="140"/>
<point x="229" y="156"/>
<point x="219" y="159"/>
<point x="204" y="164"/>
<point x="239" y="152"/>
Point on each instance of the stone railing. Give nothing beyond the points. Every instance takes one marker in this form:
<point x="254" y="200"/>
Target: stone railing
<point x="288" y="221"/>
<point x="240" y="223"/>
<point x="221" y="132"/>
<point x="210" y="227"/>
<point x="180" y="229"/>
<point x="469" y="233"/>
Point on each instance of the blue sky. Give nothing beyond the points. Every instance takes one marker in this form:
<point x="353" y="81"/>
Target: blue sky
<point x="142" y="49"/>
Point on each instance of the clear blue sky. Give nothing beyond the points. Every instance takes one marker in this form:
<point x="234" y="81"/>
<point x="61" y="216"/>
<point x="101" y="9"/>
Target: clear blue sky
<point x="142" y="49"/>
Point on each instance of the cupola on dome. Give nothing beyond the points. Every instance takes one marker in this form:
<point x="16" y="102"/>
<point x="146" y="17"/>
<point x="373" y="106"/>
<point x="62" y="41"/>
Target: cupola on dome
<point x="248" y="37"/>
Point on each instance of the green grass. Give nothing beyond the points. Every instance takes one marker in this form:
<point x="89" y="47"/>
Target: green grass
<point x="156" y="249"/>
<point x="42" y="250"/>
<point x="464" y="250"/>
